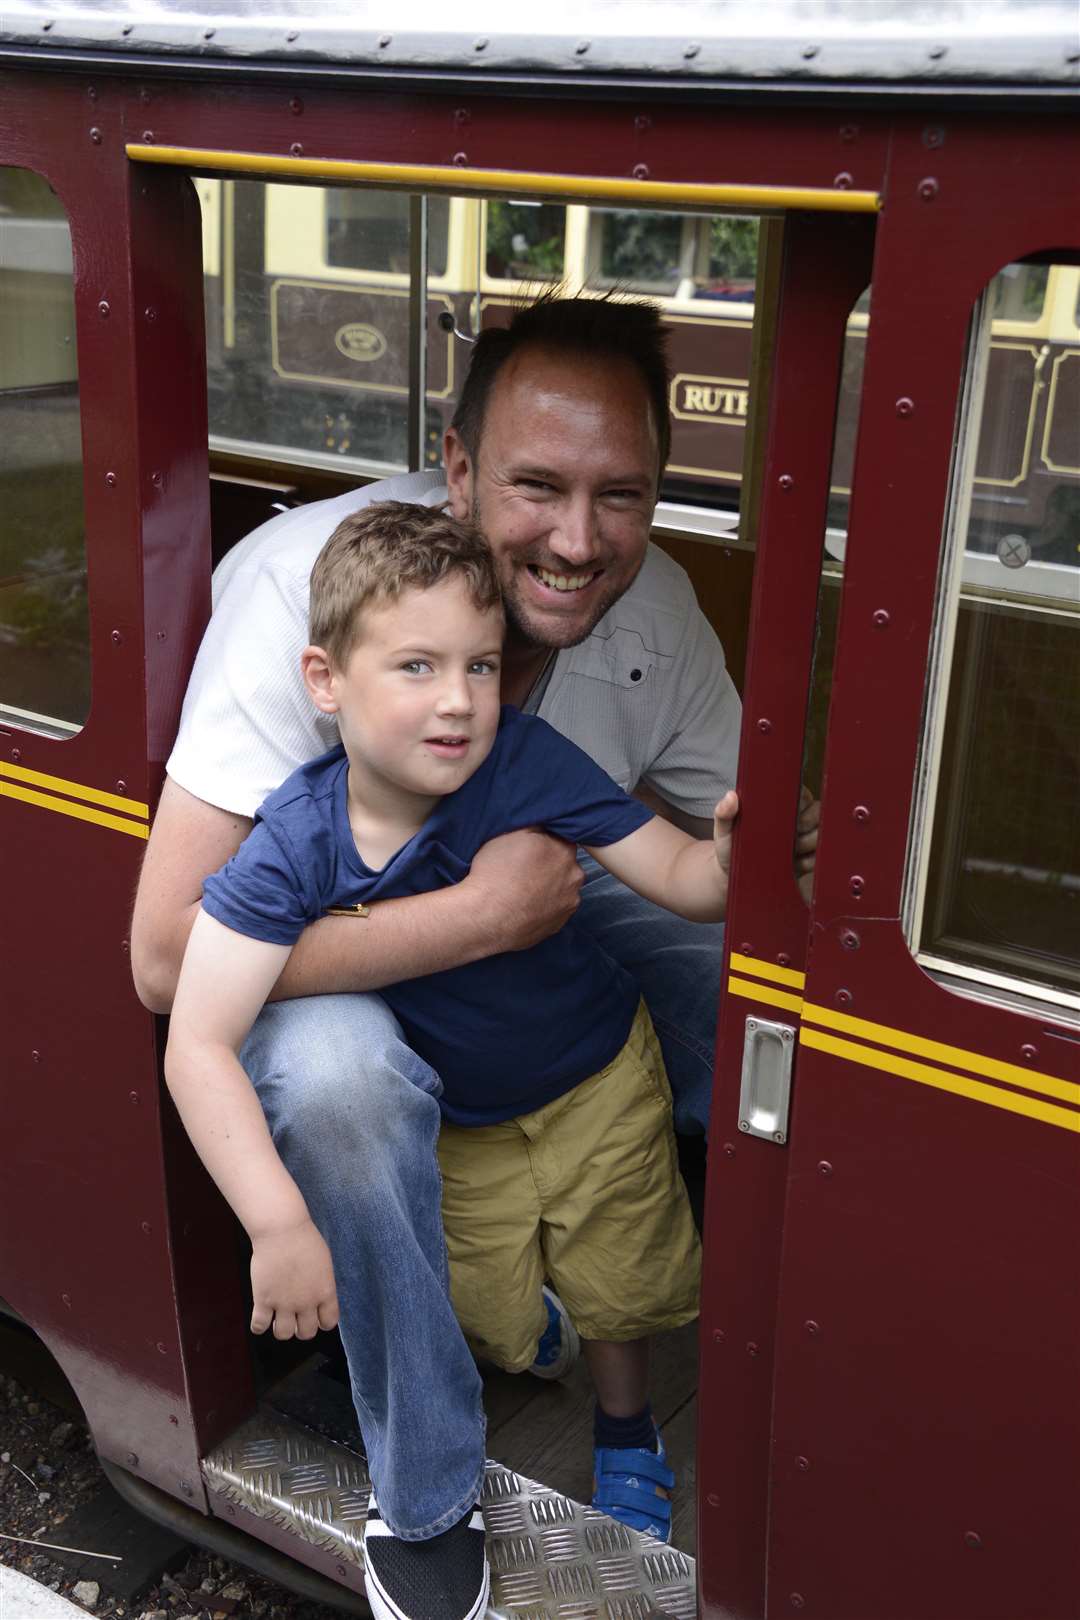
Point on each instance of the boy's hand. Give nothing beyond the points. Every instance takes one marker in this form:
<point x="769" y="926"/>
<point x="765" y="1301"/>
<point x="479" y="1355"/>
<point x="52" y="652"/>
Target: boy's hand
<point x="723" y="819"/>
<point x="292" y="1283"/>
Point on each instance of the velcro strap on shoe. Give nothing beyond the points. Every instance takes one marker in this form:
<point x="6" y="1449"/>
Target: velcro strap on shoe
<point x="631" y="1499"/>
<point x="619" y="1463"/>
<point x="629" y="1486"/>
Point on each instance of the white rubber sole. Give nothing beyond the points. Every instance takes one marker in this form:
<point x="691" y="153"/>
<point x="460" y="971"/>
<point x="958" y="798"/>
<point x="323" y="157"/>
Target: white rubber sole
<point x="384" y="1608"/>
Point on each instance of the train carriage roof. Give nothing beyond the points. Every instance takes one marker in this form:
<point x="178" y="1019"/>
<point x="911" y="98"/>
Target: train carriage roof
<point x="816" y="43"/>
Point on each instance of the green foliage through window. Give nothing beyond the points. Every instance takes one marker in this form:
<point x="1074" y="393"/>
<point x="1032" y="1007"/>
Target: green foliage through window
<point x="525" y="241"/>
<point x="733" y="246"/>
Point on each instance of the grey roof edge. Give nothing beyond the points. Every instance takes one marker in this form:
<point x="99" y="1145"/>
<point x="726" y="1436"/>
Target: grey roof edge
<point x="978" y="42"/>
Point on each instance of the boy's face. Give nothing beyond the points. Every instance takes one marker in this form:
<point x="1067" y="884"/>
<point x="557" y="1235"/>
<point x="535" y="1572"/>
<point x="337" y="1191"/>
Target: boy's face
<point x="417" y="700"/>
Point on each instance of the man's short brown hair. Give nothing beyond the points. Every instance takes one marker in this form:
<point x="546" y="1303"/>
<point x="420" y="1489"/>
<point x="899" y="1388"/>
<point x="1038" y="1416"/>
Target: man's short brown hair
<point x="389" y="547"/>
<point x="605" y="328"/>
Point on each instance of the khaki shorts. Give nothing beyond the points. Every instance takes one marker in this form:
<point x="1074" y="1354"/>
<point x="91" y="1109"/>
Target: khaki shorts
<point x="585" y="1191"/>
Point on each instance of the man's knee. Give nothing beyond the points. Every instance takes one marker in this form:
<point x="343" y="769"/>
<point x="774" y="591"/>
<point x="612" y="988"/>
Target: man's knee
<point x="338" y="1068"/>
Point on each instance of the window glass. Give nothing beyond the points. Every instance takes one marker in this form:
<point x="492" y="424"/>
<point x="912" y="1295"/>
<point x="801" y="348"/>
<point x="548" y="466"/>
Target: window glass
<point x="525" y="241"/>
<point x="307" y="301"/>
<point x="307" y="317"/>
<point x="640" y="251"/>
<point x="731" y="261"/>
<point x="369" y="230"/>
<point x="1004" y="879"/>
<point x="1019" y="292"/>
<point x="44" y="620"/>
<point x="1003" y="883"/>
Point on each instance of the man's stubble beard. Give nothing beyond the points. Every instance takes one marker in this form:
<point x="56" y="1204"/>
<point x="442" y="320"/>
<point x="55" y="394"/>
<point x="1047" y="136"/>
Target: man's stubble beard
<point x="517" y="624"/>
<point x="518" y="627"/>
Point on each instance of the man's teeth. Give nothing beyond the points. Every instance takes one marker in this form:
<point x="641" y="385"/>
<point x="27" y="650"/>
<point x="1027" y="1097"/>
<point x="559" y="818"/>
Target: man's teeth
<point x="564" y="582"/>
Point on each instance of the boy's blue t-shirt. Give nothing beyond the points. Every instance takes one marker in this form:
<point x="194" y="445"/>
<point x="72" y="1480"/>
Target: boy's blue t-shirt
<point x="505" y="1034"/>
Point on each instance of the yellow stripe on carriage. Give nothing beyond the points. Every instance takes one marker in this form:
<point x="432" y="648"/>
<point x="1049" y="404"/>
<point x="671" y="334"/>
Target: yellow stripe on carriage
<point x="76" y="790"/>
<point x="81" y="812"/>
<point x="956" y="1056"/>
<point x="765" y="993"/>
<point x="767" y="970"/>
<point x="925" y="1075"/>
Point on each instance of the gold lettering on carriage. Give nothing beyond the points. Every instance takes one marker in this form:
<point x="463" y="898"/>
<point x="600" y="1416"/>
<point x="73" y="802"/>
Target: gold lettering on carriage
<point x="710" y="399"/>
<point x="359" y="341"/>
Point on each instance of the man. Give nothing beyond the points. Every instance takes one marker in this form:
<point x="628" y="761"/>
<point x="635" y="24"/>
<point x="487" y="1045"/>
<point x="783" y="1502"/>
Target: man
<point x="556" y="451"/>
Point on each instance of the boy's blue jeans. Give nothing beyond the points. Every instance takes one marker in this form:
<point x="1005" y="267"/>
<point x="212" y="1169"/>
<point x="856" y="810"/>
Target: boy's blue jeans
<point x="354" y="1115"/>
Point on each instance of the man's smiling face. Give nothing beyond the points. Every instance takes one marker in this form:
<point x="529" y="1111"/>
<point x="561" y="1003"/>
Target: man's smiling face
<point x="563" y="488"/>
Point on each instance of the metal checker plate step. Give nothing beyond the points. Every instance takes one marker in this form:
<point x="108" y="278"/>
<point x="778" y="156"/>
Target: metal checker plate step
<point x="551" y="1558"/>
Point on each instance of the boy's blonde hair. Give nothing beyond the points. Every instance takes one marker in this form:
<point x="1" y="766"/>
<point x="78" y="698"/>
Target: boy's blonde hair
<point x="390" y="547"/>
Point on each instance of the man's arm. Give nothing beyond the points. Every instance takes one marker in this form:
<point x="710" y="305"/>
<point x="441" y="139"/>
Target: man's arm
<point x="522" y="887"/>
<point x="189" y="839"/>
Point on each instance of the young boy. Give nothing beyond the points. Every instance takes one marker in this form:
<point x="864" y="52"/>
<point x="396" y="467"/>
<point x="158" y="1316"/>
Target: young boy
<point x="556" y="1150"/>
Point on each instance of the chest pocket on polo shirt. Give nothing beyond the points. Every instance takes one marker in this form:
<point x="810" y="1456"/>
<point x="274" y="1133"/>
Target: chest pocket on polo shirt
<point x="621" y="658"/>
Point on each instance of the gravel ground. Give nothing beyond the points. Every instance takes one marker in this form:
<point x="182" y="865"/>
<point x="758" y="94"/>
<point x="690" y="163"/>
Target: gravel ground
<point x="48" y="1469"/>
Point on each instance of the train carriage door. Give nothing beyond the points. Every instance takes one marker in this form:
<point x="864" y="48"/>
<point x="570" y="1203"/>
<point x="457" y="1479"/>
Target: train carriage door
<point x="890" y="1323"/>
<point x="811" y="271"/>
<point x="107" y="1244"/>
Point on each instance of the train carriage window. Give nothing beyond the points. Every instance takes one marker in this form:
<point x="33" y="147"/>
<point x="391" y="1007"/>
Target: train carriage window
<point x="640" y="251"/>
<point x="1019" y="292"/>
<point x="524" y="241"/>
<point x="731" y="246"/>
<point x="307" y="319"/>
<point x="1000" y="855"/>
<point x="44" y="619"/>
<point x="307" y="294"/>
<point x="369" y="230"/>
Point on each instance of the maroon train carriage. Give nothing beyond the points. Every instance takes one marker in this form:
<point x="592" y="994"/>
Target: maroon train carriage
<point x="886" y="1417"/>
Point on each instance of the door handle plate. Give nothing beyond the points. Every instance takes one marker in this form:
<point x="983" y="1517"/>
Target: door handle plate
<point x="765" y="1093"/>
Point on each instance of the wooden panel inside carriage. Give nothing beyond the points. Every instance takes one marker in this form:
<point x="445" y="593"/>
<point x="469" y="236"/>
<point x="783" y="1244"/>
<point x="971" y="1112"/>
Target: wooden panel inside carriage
<point x="888" y="1339"/>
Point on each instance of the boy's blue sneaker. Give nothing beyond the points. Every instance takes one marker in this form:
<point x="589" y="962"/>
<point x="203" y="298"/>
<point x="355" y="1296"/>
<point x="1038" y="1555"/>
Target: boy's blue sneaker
<point x="634" y="1485"/>
<point x="559" y="1346"/>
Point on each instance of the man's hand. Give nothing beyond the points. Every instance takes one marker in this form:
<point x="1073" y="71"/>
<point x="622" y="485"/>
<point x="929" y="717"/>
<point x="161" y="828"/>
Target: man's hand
<point x="531" y="884"/>
<point x="723" y="821"/>
<point x="292" y="1283"/>
<point x="807" y="829"/>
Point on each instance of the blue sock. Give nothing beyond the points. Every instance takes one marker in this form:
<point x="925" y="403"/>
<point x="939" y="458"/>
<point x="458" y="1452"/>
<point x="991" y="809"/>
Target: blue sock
<point x="638" y="1431"/>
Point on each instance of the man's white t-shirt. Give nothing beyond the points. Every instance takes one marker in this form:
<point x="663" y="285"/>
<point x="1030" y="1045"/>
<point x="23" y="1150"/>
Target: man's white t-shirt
<point x="647" y="694"/>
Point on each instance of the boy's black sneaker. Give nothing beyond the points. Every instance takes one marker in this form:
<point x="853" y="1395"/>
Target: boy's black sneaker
<point x="445" y="1578"/>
